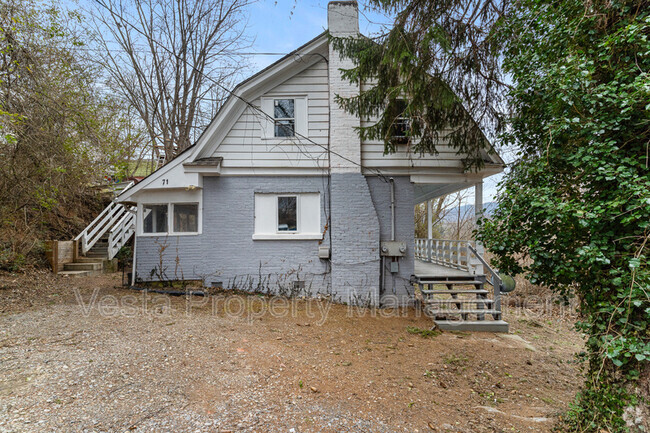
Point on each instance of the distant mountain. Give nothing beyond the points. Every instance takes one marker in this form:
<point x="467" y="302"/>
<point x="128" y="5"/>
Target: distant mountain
<point x="468" y="211"/>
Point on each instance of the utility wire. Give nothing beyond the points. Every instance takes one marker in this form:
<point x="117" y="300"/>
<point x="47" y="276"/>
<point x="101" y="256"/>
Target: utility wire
<point x="233" y="94"/>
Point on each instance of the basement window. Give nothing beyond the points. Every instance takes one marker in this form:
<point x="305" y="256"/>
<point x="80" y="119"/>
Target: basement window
<point x="154" y="218"/>
<point x="186" y="217"/>
<point x="284" y="115"/>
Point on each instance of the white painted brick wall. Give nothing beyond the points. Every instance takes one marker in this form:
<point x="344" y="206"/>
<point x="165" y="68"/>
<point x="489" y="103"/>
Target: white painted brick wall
<point x="355" y="241"/>
<point x="343" y="21"/>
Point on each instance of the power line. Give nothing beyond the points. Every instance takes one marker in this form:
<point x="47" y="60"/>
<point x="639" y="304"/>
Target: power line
<point x="233" y="94"/>
<point x="229" y="53"/>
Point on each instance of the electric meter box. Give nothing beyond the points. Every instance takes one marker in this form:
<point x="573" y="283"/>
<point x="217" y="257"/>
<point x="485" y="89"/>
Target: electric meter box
<point x="393" y="249"/>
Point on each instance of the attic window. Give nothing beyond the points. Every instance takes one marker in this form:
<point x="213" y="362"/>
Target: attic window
<point x="402" y="124"/>
<point x="284" y="115"/>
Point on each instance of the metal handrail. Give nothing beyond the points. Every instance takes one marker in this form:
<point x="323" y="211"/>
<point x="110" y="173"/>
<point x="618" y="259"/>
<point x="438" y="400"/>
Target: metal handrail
<point x="495" y="280"/>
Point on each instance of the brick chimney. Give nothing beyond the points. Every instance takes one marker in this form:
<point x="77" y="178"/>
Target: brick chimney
<point x="343" y="21"/>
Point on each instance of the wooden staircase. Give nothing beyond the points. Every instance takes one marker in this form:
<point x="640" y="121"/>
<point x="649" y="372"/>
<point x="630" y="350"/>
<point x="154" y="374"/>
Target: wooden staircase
<point x="460" y="290"/>
<point x="100" y="241"/>
<point x="461" y="304"/>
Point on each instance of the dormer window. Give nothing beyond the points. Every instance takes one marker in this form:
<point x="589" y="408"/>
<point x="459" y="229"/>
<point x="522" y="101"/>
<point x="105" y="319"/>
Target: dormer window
<point x="284" y="115"/>
<point x="402" y="124"/>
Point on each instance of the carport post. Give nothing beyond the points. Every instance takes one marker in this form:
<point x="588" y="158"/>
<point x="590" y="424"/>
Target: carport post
<point x="478" y="209"/>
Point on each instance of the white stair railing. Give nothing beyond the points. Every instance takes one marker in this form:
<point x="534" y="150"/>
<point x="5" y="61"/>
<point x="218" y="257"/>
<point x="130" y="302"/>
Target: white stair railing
<point x="113" y="216"/>
<point x="121" y="232"/>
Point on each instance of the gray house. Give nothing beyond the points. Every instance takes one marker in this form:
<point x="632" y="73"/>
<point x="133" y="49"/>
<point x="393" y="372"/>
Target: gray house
<point x="280" y="195"/>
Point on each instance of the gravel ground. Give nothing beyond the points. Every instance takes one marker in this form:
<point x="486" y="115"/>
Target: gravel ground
<point x="117" y="361"/>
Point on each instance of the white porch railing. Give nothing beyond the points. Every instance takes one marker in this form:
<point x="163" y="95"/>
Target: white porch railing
<point x="117" y="219"/>
<point x="121" y="232"/>
<point x="445" y="252"/>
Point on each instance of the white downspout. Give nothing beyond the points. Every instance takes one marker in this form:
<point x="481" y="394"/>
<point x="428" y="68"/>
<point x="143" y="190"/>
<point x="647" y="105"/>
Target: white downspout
<point x="392" y="209"/>
<point x="135" y="245"/>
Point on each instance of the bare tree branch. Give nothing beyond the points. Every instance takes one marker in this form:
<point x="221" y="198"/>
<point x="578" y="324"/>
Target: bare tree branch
<point x="170" y="54"/>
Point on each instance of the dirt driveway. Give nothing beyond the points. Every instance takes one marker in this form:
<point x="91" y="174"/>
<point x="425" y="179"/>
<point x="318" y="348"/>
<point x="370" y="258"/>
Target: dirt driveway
<point x="112" y="360"/>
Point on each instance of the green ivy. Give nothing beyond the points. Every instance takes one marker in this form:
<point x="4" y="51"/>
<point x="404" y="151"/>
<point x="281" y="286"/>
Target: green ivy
<point x="574" y="210"/>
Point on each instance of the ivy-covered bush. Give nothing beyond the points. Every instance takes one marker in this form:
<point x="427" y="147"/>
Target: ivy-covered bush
<point x="576" y="205"/>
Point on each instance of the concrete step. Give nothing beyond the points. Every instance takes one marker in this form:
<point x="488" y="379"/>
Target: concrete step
<point x="76" y="273"/>
<point x="454" y="292"/>
<point x="93" y="266"/>
<point x="473" y="325"/>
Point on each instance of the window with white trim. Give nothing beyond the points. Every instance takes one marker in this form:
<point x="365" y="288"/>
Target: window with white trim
<point x="287" y="216"/>
<point x="284" y="115"/>
<point x="154" y="218"/>
<point x="402" y="124"/>
<point x="186" y="217"/>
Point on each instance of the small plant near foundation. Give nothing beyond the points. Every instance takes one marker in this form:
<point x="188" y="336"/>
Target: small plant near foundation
<point x="424" y="333"/>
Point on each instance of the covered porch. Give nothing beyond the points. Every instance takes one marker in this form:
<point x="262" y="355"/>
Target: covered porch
<point x="437" y="257"/>
<point x="455" y="284"/>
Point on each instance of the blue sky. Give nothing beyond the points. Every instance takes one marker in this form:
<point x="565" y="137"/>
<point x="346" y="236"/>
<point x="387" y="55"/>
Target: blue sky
<point x="284" y="25"/>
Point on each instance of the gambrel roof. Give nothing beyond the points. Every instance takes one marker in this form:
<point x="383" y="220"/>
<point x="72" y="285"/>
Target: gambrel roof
<point x="233" y="144"/>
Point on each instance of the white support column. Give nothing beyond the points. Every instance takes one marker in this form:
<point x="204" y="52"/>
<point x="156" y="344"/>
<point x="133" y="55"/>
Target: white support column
<point x="429" y="219"/>
<point x="478" y="209"/>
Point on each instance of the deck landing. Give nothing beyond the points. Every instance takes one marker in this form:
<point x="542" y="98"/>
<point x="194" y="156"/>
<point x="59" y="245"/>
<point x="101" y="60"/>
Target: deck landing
<point x="429" y="270"/>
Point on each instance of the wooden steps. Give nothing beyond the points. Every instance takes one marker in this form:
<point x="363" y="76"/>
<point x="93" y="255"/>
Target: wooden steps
<point x="454" y="292"/>
<point x="91" y="264"/>
<point x="465" y="304"/>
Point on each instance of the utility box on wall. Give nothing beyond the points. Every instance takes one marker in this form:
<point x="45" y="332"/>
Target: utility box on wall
<point x="393" y="249"/>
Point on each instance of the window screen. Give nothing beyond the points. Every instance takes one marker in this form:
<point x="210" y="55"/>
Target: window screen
<point x="186" y="218"/>
<point x="154" y="218"/>
<point x="287" y="214"/>
<point x="285" y="120"/>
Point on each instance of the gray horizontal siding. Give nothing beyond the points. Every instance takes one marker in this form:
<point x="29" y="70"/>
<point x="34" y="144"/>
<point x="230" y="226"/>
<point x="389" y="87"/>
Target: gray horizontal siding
<point x="243" y="146"/>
